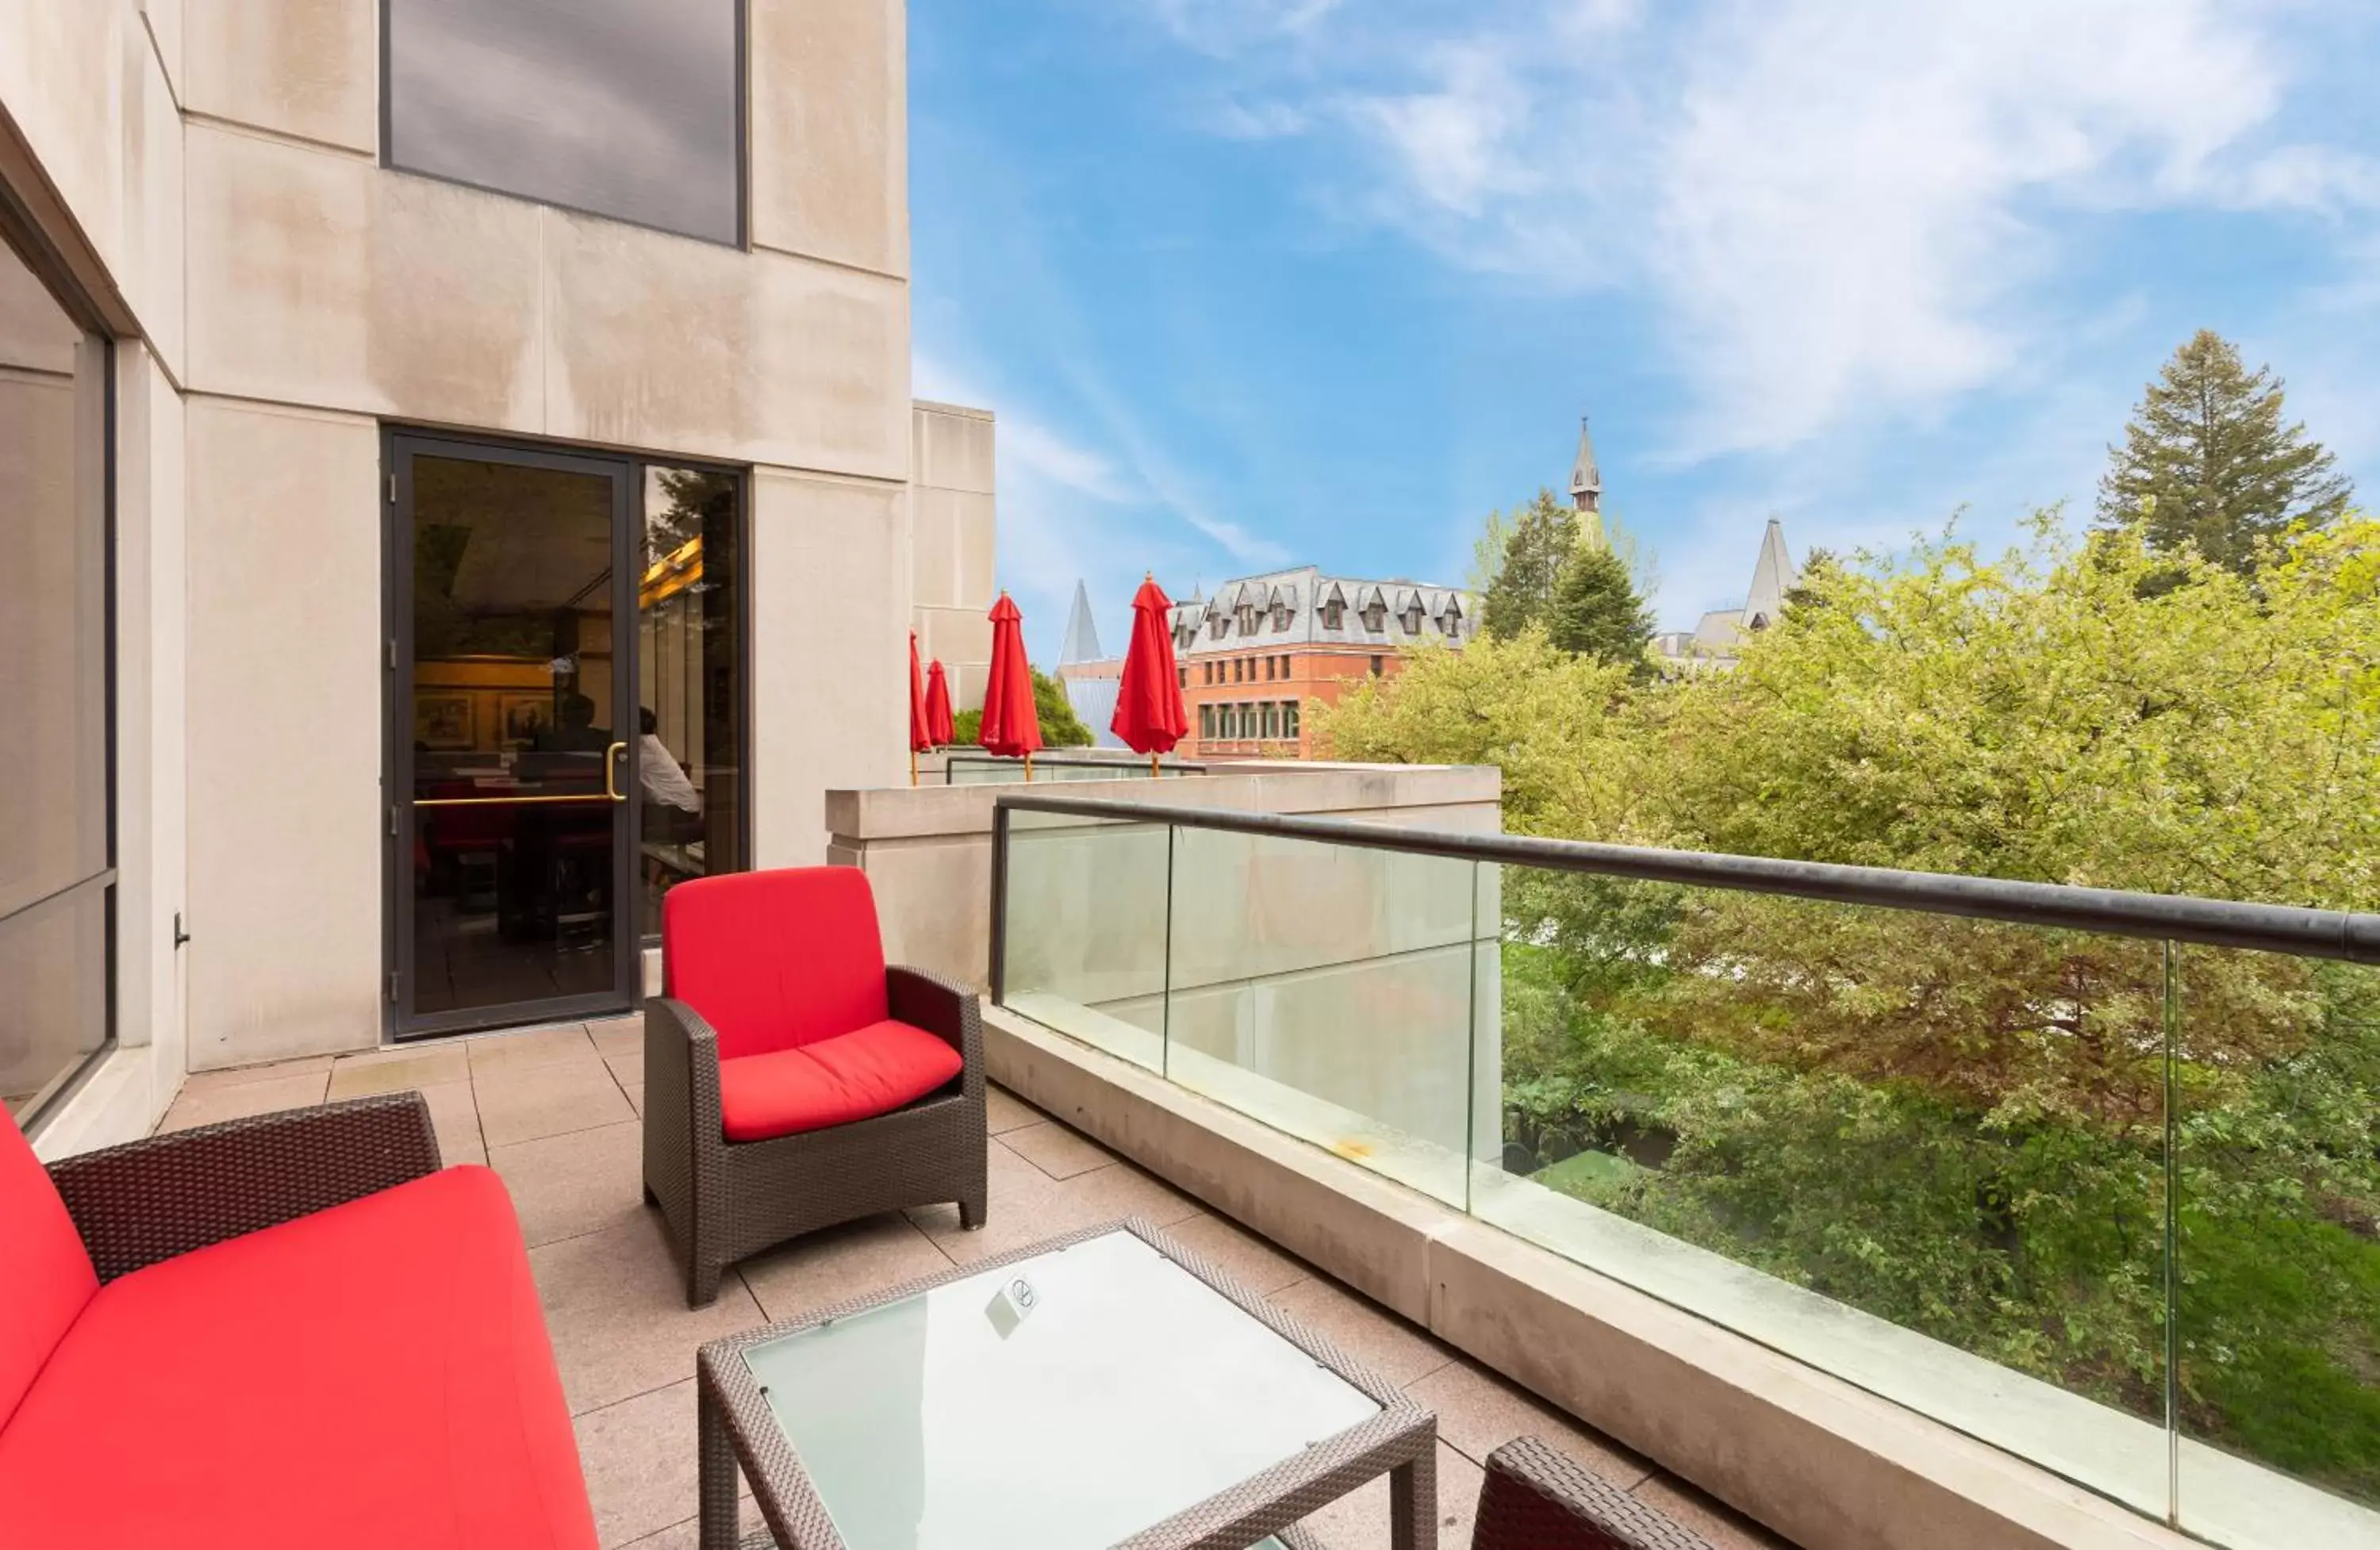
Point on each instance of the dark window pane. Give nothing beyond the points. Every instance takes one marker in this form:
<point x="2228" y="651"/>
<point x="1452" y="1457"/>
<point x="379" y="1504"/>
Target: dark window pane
<point x="55" y="884"/>
<point x="622" y="107"/>
<point x="691" y="667"/>
<point x="53" y="593"/>
<point x="53" y="961"/>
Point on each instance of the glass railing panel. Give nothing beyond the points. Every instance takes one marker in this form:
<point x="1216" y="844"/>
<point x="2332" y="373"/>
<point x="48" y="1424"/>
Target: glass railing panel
<point x="2277" y="1249"/>
<point x="1084" y="944"/>
<point x="1327" y="990"/>
<point x="1924" y="1154"/>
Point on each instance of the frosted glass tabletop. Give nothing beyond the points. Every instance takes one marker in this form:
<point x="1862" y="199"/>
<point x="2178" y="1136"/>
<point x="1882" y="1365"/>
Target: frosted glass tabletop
<point x="1067" y="1400"/>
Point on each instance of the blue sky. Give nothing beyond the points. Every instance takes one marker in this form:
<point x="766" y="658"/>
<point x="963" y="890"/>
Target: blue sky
<point x="1263" y="282"/>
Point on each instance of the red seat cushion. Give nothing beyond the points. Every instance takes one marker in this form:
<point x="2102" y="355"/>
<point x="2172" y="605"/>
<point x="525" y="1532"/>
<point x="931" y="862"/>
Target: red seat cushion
<point x="833" y="1081"/>
<point x="377" y="1375"/>
<point x="45" y="1275"/>
<point x="775" y="960"/>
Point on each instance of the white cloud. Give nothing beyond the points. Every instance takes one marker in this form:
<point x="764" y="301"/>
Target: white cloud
<point x="1225" y="27"/>
<point x="1840" y="209"/>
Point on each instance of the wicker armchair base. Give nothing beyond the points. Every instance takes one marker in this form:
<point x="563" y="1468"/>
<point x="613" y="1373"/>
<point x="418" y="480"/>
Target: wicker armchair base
<point x="725" y="1200"/>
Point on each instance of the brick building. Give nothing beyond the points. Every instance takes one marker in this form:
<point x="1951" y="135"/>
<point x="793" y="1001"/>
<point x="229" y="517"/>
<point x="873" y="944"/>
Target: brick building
<point x="1265" y="649"/>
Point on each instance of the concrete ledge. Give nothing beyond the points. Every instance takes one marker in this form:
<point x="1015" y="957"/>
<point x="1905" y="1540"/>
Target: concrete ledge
<point x="927" y="849"/>
<point x="1828" y="1465"/>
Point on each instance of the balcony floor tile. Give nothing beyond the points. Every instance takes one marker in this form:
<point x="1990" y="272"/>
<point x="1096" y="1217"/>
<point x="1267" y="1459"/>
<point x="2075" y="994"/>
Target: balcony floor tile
<point x="566" y="1185"/>
<point x="1479" y="1413"/>
<point x="615" y="1308"/>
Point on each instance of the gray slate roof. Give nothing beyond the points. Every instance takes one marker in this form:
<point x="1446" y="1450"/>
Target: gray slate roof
<point x="1303" y="607"/>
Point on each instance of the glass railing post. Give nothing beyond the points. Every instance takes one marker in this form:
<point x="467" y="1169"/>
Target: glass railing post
<point x="1165" y="982"/>
<point x="2172" y="1236"/>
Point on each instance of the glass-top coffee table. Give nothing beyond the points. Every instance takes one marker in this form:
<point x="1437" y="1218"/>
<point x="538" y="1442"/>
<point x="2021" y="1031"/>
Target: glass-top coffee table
<point x="1104" y="1388"/>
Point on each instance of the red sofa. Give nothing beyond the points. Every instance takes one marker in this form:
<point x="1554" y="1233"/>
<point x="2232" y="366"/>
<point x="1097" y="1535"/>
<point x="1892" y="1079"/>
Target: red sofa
<point x="285" y="1331"/>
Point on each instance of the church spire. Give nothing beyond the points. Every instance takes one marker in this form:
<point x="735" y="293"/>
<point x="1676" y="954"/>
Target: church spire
<point x="1586" y="480"/>
<point x="1082" y="635"/>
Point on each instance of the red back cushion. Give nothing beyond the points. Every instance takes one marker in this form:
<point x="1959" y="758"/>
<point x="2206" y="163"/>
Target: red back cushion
<point x="775" y="960"/>
<point x="45" y="1276"/>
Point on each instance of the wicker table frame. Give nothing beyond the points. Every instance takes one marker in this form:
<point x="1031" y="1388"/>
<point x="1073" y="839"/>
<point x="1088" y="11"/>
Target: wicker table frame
<point x="737" y="1428"/>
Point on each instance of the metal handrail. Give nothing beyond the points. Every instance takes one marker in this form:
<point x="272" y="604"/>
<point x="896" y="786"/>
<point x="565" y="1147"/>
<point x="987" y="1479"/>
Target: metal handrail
<point x="2354" y="937"/>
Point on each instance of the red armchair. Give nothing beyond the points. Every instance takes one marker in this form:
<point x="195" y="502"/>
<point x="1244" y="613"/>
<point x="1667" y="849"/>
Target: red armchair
<point x="791" y="1080"/>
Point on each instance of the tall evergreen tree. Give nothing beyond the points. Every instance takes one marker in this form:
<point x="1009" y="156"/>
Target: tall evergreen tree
<point x="2219" y="466"/>
<point x="1809" y="589"/>
<point x="1537" y="539"/>
<point x="1597" y="613"/>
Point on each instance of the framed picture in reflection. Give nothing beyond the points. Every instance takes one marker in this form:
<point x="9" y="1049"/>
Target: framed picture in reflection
<point x="443" y="721"/>
<point x="525" y="718"/>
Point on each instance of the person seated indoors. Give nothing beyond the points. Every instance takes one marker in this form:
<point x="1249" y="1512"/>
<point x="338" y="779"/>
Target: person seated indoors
<point x="673" y="805"/>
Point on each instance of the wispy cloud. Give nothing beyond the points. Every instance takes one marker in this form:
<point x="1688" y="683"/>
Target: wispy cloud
<point x="1835" y="204"/>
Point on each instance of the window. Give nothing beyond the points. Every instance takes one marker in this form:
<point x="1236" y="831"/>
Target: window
<point x="1375" y="615"/>
<point x="1182" y="677"/>
<point x="1239" y="670"/>
<point x="1378" y="663"/>
<point x="1272" y="718"/>
<point x="1411" y="617"/>
<point x="1247" y="619"/>
<point x="691" y="667"/>
<point x="57" y="877"/>
<point x="1217" y="625"/>
<point x="1289" y="720"/>
<point x="1284" y="665"/>
<point x="1280" y="615"/>
<point x="616" y="107"/>
<point x="1207" y="722"/>
<point x="1334" y="615"/>
<point x="1269" y="663"/>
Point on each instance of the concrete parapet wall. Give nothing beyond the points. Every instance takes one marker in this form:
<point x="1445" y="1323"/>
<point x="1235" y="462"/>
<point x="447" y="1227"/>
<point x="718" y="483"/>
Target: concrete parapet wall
<point x="927" y="849"/>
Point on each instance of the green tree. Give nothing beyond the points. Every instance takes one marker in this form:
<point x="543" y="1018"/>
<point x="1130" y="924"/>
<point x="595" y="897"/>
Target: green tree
<point x="1061" y="728"/>
<point x="1956" y="1125"/>
<point x="2210" y="460"/>
<point x="1597" y="613"/>
<point x="1812" y="582"/>
<point x="1542" y="715"/>
<point x="1536" y="539"/>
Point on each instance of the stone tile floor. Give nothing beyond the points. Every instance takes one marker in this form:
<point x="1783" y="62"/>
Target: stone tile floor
<point x="555" y="1110"/>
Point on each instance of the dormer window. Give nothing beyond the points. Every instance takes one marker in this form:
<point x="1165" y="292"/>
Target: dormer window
<point x="1217" y="625"/>
<point x="1247" y="619"/>
<point x="1334" y="615"/>
<point x="1376" y="615"/>
<point x="1410" y="618"/>
<point x="1280" y="615"/>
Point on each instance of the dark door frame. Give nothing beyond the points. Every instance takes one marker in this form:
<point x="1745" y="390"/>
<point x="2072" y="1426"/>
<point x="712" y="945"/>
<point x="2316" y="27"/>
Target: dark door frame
<point x="399" y="447"/>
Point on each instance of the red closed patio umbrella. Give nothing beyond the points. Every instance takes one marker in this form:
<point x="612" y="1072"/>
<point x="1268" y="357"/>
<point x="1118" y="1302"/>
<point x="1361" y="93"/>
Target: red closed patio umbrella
<point x="922" y="737"/>
<point x="1149" y="714"/>
<point x="939" y="728"/>
<point x="1012" y="727"/>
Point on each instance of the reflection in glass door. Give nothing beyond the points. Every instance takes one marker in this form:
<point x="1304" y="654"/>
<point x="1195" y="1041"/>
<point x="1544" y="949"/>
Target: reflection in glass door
<point x="517" y="721"/>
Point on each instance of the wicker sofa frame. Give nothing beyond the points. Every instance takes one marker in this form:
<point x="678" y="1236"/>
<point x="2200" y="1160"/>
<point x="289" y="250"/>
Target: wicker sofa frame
<point x="151" y="1200"/>
<point x="726" y="1200"/>
<point x="737" y="1428"/>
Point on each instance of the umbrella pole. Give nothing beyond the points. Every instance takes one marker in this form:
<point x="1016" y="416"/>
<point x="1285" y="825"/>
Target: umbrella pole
<point x="1028" y="768"/>
<point x="913" y="767"/>
<point x="1152" y="767"/>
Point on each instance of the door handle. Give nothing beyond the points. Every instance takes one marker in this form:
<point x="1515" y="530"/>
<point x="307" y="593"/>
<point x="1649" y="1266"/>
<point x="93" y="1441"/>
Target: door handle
<point x="611" y="772"/>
